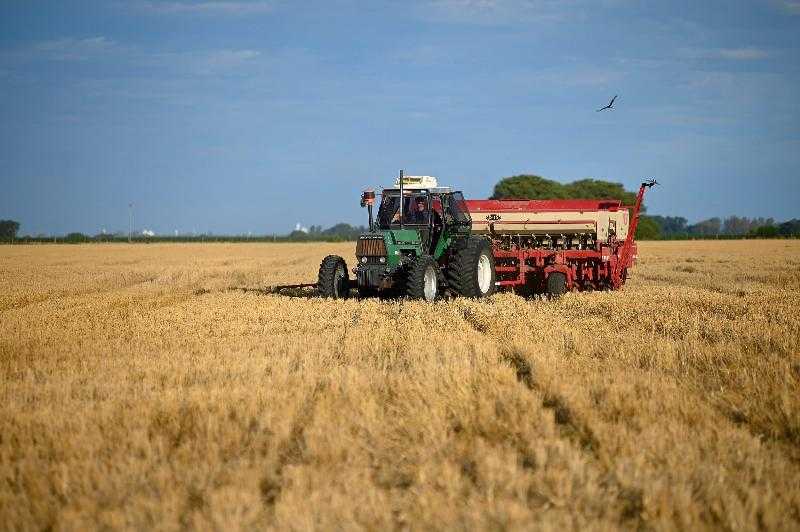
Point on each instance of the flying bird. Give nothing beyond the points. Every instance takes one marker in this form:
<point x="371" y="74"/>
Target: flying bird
<point x="610" y="104"/>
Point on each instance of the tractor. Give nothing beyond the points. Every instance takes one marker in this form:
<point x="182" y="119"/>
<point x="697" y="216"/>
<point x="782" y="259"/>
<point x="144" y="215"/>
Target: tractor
<point x="420" y="246"/>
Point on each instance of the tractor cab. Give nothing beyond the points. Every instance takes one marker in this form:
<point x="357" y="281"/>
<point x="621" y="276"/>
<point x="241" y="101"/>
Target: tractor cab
<point x="426" y="209"/>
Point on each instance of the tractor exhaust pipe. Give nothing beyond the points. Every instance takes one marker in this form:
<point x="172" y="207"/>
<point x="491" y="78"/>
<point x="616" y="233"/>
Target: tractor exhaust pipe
<point x="401" y="199"/>
<point x="368" y="200"/>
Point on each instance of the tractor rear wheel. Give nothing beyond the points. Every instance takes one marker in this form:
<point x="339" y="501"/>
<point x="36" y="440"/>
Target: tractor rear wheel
<point x="471" y="270"/>
<point x="556" y="284"/>
<point x="333" y="280"/>
<point x="423" y="279"/>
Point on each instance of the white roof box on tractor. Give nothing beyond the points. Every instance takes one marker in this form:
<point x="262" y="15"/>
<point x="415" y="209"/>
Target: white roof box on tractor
<point x="417" y="182"/>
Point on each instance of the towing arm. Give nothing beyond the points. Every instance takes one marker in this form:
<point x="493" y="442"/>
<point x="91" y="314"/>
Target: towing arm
<point x="627" y="247"/>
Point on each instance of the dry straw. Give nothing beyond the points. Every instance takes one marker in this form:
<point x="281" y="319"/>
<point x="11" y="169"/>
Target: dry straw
<point x="139" y="390"/>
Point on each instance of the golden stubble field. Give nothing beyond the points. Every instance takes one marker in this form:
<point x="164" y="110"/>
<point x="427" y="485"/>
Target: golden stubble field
<point x="145" y="387"/>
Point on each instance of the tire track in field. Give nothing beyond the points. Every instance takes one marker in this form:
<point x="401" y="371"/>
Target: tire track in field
<point x="292" y="450"/>
<point x="21" y="303"/>
<point x="570" y="424"/>
<point x="24" y="302"/>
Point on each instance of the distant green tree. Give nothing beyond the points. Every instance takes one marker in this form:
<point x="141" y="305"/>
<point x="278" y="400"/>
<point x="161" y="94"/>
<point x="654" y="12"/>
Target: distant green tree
<point x="766" y="231"/>
<point x="671" y="225"/>
<point x="710" y="227"/>
<point x="755" y="223"/>
<point x="598" y="189"/>
<point x="343" y="231"/>
<point x="528" y="187"/>
<point x="8" y="229"/>
<point x="536" y="187"/>
<point x="76" y="237"/>
<point x="735" y="225"/>
<point x="648" y="229"/>
<point x="298" y="235"/>
<point x="790" y="228"/>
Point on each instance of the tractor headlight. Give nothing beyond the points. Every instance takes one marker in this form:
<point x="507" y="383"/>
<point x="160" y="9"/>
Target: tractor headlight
<point x="382" y="260"/>
<point x="364" y="260"/>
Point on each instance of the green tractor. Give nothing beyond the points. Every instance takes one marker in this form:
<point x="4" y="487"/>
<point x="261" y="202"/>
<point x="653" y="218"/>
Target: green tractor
<point x="419" y="247"/>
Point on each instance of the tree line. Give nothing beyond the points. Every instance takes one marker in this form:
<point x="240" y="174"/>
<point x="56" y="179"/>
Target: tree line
<point x="340" y="232"/>
<point x="677" y="227"/>
<point x="651" y="227"/>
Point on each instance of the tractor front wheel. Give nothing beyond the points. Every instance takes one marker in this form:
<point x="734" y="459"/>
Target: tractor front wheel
<point x="423" y="279"/>
<point x="333" y="280"/>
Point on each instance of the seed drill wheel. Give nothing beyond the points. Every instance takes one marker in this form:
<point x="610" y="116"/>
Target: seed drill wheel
<point x="556" y="284"/>
<point x="333" y="281"/>
<point x="471" y="270"/>
<point x="422" y="281"/>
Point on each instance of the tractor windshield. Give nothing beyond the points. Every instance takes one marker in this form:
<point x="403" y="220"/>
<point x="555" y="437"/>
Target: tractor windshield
<point x="457" y="209"/>
<point x="416" y="210"/>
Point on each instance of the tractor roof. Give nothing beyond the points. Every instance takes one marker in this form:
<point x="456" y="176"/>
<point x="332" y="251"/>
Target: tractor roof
<point x="435" y="190"/>
<point x="417" y="181"/>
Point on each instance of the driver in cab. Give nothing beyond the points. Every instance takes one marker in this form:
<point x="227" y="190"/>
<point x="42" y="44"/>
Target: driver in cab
<point x="418" y="214"/>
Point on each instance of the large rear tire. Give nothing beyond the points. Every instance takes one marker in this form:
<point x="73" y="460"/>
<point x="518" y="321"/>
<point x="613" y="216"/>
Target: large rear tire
<point x="333" y="280"/>
<point x="423" y="279"/>
<point x="471" y="272"/>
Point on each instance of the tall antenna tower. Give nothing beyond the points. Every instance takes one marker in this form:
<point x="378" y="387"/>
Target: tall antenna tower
<point x="130" y="221"/>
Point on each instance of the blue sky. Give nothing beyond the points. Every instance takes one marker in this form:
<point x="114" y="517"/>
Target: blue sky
<point x="238" y="116"/>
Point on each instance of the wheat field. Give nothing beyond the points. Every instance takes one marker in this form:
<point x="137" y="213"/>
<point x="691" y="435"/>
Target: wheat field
<point x="157" y="387"/>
